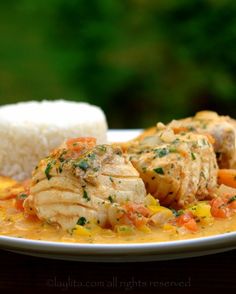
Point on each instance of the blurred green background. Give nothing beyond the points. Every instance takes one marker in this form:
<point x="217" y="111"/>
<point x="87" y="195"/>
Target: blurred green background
<point x="140" y="60"/>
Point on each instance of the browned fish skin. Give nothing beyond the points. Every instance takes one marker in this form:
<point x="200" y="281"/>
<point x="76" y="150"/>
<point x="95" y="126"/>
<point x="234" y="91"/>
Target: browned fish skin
<point x="67" y="187"/>
<point x="177" y="169"/>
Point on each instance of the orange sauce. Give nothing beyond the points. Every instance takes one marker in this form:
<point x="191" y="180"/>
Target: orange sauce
<point x="14" y="223"/>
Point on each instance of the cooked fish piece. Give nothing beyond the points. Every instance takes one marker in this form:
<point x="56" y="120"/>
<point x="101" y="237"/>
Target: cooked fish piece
<point x="178" y="169"/>
<point x="221" y="128"/>
<point x="78" y="186"/>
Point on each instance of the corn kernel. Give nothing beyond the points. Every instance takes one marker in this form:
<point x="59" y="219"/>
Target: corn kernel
<point x="201" y="210"/>
<point x="81" y="231"/>
<point x="156" y="209"/>
<point x="150" y="200"/>
<point x="168" y="227"/>
<point x="145" y="229"/>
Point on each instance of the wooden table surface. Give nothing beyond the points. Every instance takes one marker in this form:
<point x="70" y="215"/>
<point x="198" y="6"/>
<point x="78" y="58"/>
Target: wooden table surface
<point x="26" y="274"/>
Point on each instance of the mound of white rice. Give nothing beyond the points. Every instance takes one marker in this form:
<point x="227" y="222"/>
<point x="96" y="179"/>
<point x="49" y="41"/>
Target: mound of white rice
<point x="30" y="130"/>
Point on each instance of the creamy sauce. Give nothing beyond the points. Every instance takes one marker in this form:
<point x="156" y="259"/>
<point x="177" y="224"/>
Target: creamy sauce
<point x="13" y="223"/>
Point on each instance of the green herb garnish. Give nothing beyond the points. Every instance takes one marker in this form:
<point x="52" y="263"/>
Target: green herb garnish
<point x="193" y="156"/>
<point x="85" y="196"/>
<point x="22" y="196"/>
<point x="83" y="164"/>
<point x="231" y="199"/>
<point x="81" y="221"/>
<point x="161" y="152"/>
<point x="111" y="199"/>
<point x="47" y="170"/>
<point x="177" y="212"/>
<point x="159" y="170"/>
<point x="111" y="179"/>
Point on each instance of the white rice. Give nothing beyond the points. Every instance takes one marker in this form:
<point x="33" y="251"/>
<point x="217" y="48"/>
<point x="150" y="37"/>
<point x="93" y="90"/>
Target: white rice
<point x="30" y="130"/>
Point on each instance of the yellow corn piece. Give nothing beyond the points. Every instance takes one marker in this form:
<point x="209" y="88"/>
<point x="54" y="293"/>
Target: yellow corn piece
<point x="94" y="228"/>
<point x="156" y="209"/>
<point x="151" y="201"/>
<point x="81" y="231"/>
<point x="168" y="227"/>
<point x="145" y="229"/>
<point x="201" y="210"/>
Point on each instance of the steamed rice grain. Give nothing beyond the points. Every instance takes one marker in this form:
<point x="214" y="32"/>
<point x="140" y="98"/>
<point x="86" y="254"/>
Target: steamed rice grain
<point x="30" y="130"/>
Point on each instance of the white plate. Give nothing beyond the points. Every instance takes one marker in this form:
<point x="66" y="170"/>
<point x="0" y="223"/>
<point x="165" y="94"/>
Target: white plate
<point x="121" y="252"/>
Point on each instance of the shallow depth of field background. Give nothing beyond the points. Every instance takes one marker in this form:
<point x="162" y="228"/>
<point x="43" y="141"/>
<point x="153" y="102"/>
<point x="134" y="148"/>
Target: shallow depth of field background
<point x="140" y="60"/>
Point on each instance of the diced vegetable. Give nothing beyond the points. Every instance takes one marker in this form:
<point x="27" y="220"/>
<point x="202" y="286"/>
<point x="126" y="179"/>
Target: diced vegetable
<point x="145" y="229"/>
<point x="169" y="227"/>
<point x="78" y="144"/>
<point x="20" y="200"/>
<point x="187" y="221"/>
<point x="227" y="177"/>
<point x="191" y="225"/>
<point x="201" y="210"/>
<point x="81" y="231"/>
<point x="150" y="200"/>
<point x="161" y="215"/>
<point x="219" y="208"/>
<point x="129" y="214"/>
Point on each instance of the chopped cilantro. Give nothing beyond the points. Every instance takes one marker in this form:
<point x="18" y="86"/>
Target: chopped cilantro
<point x="82" y="164"/>
<point x="92" y="156"/>
<point x="102" y="148"/>
<point x="111" y="199"/>
<point x="232" y="199"/>
<point x="85" y="196"/>
<point x="81" y="221"/>
<point x="111" y="179"/>
<point x="161" y="152"/>
<point x="159" y="170"/>
<point x="22" y="196"/>
<point x="47" y="170"/>
<point x="177" y="212"/>
<point x="193" y="156"/>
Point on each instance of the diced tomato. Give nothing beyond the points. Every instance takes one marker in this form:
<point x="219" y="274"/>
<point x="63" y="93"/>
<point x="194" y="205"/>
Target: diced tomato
<point x="191" y="225"/>
<point x="20" y="200"/>
<point x="78" y="144"/>
<point x="135" y="214"/>
<point x="232" y="205"/>
<point x="178" y="130"/>
<point x="31" y="217"/>
<point x="138" y="208"/>
<point x="184" y="218"/>
<point x="187" y="220"/>
<point x="219" y="208"/>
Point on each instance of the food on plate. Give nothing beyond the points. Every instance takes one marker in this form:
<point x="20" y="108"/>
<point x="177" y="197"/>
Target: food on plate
<point x="84" y="181"/>
<point x="173" y="182"/>
<point x="30" y="130"/>
<point x="221" y="128"/>
<point x="178" y="169"/>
